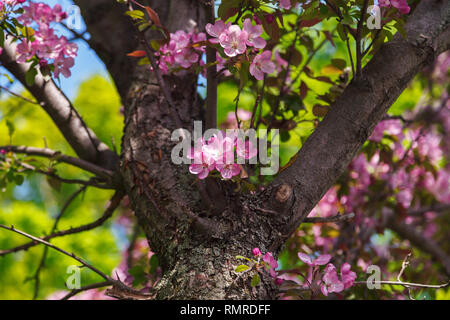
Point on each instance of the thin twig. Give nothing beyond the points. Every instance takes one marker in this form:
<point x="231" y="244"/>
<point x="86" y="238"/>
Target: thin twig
<point x="88" y="287"/>
<point x="55" y="225"/>
<point x="358" y="39"/>
<point x="405" y="284"/>
<point x="53" y="175"/>
<point x="19" y="96"/>
<point x="58" y="156"/>
<point x="211" y="74"/>
<point x="162" y="84"/>
<point x="114" y="203"/>
<point x="72" y="255"/>
<point x="336" y="218"/>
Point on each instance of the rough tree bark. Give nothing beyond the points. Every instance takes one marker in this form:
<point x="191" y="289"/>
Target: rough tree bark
<point x="197" y="228"/>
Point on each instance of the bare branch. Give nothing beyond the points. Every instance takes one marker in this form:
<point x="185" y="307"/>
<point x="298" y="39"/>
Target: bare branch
<point x="419" y="240"/>
<point x="92" y="182"/>
<point x="55" y="225"/>
<point x="88" y="287"/>
<point x="58" y="156"/>
<point x="406" y="284"/>
<point x="336" y="218"/>
<point x="211" y="74"/>
<point x="434" y="208"/>
<point x="359" y="30"/>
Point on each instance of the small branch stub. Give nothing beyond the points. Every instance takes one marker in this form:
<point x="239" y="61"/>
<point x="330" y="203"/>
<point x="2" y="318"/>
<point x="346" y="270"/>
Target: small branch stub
<point x="284" y="193"/>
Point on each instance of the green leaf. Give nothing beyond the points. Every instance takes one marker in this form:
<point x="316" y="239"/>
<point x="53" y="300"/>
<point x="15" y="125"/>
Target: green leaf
<point x="242" y="268"/>
<point x="135" y="14"/>
<point x="255" y="280"/>
<point x="243" y="73"/>
<point x="339" y="63"/>
<point x="244" y="258"/>
<point x="54" y="183"/>
<point x="11" y="128"/>
<point x="154" y="263"/>
<point x="18" y="179"/>
<point x="138" y="274"/>
<point x="30" y="76"/>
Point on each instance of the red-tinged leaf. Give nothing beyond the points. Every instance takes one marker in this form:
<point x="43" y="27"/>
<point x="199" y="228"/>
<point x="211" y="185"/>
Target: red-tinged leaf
<point x="303" y="90"/>
<point x="320" y="110"/>
<point x="330" y="69"/>
<point x="153" y="16"/>
<point x="229" y="13"/>
<point x="199" y="44"/>
<point x="309" y="23"/>
<point x="137" y="54"/>
<point x="329" y="37"/>
<point x="324" y="79"/>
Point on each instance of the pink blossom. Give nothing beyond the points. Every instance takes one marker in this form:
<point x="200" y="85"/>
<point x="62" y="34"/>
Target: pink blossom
<point x="254" y="33"/>
<point x="262" y="64"/>
<point x="256" y="252"/>
<point x="228" y="170"/>
<point x="280" y="63"/>
<point x="215" y="30"/>
<point x="347" y="276"/>
<point x="231" y="121"/>
<point x="233" y="40"/>
<point x="271" y="262"/>
<point x="400" y="5"/>
<point x="46" y="45"/>
<point x="331" y="282"/>
<point x="278" y="281"/>
<point x="62" y="65"/>
<point x="384" y="3"/>
<point x="391" y="127"/>
<point x="285" y="4"/>
<point x="24" y="51"/>
<point x="179" y="53"/>
<point x="201" y="170"/>
<point x="319" y="261"/>
<point x="245" y="149"/>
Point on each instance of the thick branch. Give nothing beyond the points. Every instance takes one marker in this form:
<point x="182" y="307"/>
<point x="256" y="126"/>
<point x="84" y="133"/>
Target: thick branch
<point x="84" y="142"/>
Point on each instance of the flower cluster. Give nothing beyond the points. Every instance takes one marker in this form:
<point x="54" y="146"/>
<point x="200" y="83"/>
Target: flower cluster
<point x="400" y="5"/>
<point x="10" y="3"/>
<point x="179" y="52"/>
<point x="285" y="4"/>
<point x="330" y="281"/>
<point x="218" y="153"/>
<point x="270" y="264"/>
<point x="44" y="43"/>
<point x="409" y="164"/>
<point x="235" y="41"/>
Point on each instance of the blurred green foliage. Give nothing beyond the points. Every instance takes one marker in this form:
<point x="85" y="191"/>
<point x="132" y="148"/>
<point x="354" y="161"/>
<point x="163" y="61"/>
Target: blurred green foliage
<point x="32" y="206"/>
